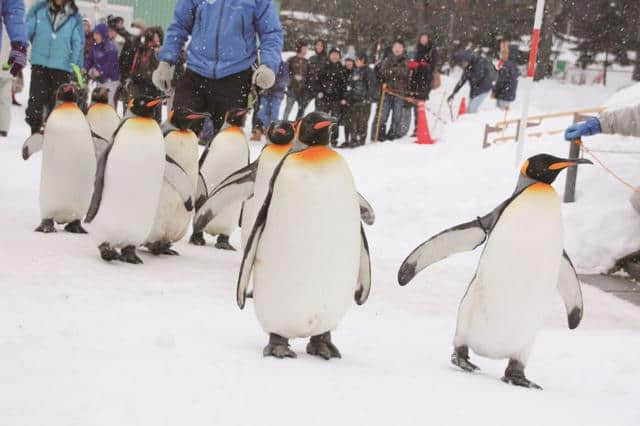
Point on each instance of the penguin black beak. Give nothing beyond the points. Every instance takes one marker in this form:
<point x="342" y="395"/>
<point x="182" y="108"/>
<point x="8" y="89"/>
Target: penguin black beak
<point x="560" y="165"/>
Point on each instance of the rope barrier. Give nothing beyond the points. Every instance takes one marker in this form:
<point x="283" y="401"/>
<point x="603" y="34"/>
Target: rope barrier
<point x="604" y="166"/>
<point x="413" y="101"/>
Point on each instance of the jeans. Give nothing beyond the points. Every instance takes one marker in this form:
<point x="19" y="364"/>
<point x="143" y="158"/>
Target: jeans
<point x="292" y="99"/>
<point x="395" y="105"/>
<point x="269" y="110"/>
<point x="474" y="103"/>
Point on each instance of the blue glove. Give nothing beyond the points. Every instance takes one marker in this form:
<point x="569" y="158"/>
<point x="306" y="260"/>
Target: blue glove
<point x="586" y="128"/>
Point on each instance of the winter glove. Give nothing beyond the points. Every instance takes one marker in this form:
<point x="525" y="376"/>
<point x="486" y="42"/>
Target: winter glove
<point x="17" y="58"/>
<point x="412" y="65"/>
<point x="586" y="128"/>
<point x="263" y="77"/>
<point x="94" y="73"/>
<point x="320" y="95"/>
<point x="163" y="75"/>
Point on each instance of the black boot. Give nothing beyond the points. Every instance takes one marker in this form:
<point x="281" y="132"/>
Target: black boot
<point x="46" y="226"/>
<point x="223" y="243"/>
<point x="75" y="227"/>
<point x="128" y="255"/>
<point x="107" y="252"/>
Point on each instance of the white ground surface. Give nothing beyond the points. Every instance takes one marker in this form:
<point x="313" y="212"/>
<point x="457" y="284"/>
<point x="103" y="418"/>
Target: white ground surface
<point x="83" y="342"/>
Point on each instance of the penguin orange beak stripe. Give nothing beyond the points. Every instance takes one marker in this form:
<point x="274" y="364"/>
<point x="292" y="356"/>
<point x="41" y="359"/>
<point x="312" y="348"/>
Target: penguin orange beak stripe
<point x="154" y="102"/>
<point x="195" y="116"/>
<point x="562" y="165"/>
<point x="322" y="125"/>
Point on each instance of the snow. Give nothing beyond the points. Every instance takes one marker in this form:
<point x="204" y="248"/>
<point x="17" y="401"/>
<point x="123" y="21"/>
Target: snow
<point x="83" y="342"/>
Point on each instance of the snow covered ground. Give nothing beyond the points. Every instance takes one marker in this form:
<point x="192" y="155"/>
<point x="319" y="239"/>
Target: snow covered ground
<point x="83" y="342"/>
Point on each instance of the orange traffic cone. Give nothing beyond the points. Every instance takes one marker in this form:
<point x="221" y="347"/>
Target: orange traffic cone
<point x="423" y="134"/>
<point x="463" y="107"/>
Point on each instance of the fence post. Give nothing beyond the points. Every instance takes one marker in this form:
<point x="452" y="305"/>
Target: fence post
<point x="485" y="144"/>
<point x="572" y="172"/>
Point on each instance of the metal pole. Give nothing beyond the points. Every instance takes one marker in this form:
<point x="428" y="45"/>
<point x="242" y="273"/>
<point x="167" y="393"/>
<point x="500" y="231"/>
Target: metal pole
<point x="528" y="81"/>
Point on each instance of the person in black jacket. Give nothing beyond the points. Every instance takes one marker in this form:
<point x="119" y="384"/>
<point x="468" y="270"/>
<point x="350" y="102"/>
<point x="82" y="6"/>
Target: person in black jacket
<point x="478" y="71"/>
<point x="421" y="71"/>
<point x="504" y="91"/>
<point x="315" y="66"/>
<point x="330" y="89"/>
<point x="358" y="94"/>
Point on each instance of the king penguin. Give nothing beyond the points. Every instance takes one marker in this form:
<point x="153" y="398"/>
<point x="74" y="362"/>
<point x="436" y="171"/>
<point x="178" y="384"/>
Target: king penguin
<point x="172" y="218"/>
<point x="310" y="218"/>
<point x="129" y="180"/>
<point x="249" y="184"/>
<point x="227" y="152"/>
<point x="102" y="117"/>
<point x="523" y="261"/>
<point x="68" y="164"/>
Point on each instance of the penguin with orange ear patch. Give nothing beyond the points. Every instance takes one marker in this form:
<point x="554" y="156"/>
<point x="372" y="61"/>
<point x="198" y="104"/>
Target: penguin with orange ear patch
<point x="227" y="152"/>
<point x="172" y="218"/>
<point x="307" y="249"/>
<point x="128" y="183"/>
<point x="68" y="164"/>
<point x="102" y="117"/>
<point x="521" y="267"/>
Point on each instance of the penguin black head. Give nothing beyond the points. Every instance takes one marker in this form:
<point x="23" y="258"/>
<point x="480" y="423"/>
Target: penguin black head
<point x="100" y="95"/>
<point x="67" y="92"/>
<point x="184" y="118"/>
<point x="545" y="168"/>
<point x="315" y="129"/>
<point x="281" y="132"/>
<point x="236" y="117"/>
<point x="144" y="106"/>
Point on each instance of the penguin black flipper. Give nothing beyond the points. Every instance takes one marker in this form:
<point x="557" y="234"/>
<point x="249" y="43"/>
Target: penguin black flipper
<point x="464" y="237"/>
<point x="236" y="187"/>
<point x="179" y="180"/>
<point x="569" y="289"/>
<point x="98" y="185"/>
<point x="364" y="272"/>
<point x="367" y="214"/>
<point x="254" y="239"/>
<point x="32" y="145"/>
<point x="100" y="144"/>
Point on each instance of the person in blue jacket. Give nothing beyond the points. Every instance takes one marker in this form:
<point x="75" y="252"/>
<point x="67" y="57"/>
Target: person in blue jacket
<point x="478" y="71"/>
<point x="55" y="30"/>
<point x="221" y="53"/>
<point x="271" y="99"/>
<point x="504" y="91"/>
<point x="12" y="13"/>
<point x="102" y="62"/>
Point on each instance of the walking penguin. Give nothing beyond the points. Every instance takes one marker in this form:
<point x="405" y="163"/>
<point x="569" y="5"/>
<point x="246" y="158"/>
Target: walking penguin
<point x="523" y="261"/>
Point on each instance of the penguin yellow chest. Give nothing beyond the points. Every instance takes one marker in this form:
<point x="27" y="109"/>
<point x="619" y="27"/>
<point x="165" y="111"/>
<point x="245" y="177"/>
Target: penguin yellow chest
<point x="507" y="301"/>
<point x="306" y="264"/>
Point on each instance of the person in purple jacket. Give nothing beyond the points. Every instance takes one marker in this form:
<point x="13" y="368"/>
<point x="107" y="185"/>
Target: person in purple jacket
<point x="102" y="63"/>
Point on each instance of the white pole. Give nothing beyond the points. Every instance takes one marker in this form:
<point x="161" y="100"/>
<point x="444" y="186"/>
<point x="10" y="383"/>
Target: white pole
<point x="528" y="81"/>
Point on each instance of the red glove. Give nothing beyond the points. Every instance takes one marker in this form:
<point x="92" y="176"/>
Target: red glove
<point x="412" y="65"/>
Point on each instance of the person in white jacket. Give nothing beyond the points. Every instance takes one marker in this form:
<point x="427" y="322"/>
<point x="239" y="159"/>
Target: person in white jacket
<point x="624" y="121"/>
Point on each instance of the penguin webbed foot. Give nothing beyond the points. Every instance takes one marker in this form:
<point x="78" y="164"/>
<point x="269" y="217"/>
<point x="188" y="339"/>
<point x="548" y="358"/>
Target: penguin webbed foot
<point x="107" y="252"/>
<point x="322" y="346"/>
<point x="197" y="239"/>
<point x="223" y="243"/>
<point x="129" y="255"/>
<point x="161" y="247"/>
<point x="75" y="227"/>
<point x="278" y="347"/>
<point x="46" y="226"/>
<point x="460" y="358"/>
<point x="514" y="375"/>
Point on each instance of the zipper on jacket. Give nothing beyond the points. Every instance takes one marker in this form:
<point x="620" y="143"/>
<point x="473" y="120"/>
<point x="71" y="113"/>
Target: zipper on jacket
<point x="217" y="52"/>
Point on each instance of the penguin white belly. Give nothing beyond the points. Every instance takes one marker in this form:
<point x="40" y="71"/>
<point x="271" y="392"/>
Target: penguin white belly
<point x="172" y="218"/>
<point x="269" y="160"/>
<point x="133" y="179"/>
<point x="68" y="165"/>
<point x="306" y="266"/>
<point x="228" y="152"/>
<point x="507" y="301"/>
<point x="103" y="120"/>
